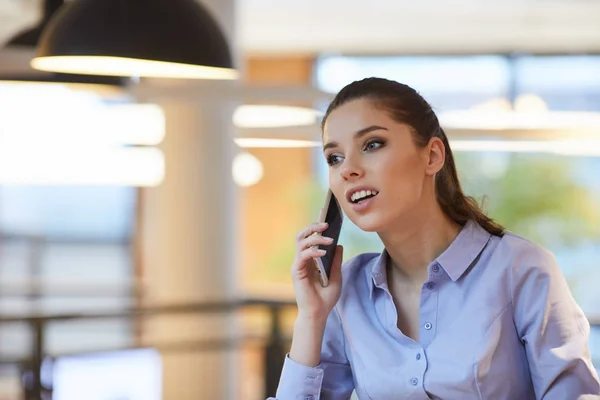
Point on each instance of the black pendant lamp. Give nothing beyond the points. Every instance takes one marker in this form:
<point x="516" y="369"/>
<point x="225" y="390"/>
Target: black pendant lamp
<point x="30" y="37"/>
<point x="141" y="38"/>
<point x="29" y="40"/>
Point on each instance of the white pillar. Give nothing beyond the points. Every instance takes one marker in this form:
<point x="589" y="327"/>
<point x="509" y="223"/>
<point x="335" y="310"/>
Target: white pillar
<point x="188" y="238"/>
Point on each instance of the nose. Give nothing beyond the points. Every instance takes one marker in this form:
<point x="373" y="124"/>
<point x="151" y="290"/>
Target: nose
<point x="350" y="169"/>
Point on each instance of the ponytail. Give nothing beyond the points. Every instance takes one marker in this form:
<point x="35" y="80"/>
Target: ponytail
<point x="455" y="204"/>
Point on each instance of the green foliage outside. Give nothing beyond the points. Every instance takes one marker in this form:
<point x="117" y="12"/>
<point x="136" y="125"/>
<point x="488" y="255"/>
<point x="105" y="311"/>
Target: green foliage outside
<point x="536" y="196"/>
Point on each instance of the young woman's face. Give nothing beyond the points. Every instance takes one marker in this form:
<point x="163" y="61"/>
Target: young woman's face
<point x="376" y="171"/>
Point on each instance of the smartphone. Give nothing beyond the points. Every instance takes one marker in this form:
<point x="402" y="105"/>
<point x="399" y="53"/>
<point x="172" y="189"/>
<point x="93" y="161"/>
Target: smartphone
<point x="332" y="214"/>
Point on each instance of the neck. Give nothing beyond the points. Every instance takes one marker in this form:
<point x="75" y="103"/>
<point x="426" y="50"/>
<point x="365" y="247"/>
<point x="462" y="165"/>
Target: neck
<point x="417" y="240"/>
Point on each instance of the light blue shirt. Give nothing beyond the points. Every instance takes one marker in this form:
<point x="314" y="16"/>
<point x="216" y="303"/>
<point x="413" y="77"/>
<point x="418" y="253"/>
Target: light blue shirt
<point x="497" y="321"/>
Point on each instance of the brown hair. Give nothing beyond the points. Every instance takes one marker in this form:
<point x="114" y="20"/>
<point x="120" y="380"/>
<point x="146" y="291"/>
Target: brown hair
<point x="407" y="106"/>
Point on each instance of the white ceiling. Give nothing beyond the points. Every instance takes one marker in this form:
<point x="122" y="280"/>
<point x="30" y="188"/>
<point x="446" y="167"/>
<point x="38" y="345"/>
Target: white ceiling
<point x="393" y="26"/>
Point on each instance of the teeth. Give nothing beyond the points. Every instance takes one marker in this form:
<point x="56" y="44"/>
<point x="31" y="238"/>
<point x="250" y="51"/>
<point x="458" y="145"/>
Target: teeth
<point x="358" y="195"/>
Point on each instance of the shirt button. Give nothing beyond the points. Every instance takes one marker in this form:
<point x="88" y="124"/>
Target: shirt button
<point x="414" y="381"/>
<point x="430" y="285"/>
<point x="428" y="325"/>
<point x="436" y="268"/>
<point x="418" y="356"/>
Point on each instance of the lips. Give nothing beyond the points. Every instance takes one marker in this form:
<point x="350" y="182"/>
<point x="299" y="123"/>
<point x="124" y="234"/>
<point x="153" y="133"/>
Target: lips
<point x="357" y="193"/>
<point x="363" y="205"/>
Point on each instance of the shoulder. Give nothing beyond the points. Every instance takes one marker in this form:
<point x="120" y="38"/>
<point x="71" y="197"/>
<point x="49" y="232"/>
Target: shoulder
<point x="540" y="294"/>
<point x="530" y="263"/>
<point x="524" y="252"/>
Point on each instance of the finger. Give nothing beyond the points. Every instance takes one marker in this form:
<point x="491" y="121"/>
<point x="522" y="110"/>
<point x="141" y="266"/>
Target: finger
<point x="314" y="240"/>
<point x="336" y="266"/>
<point x="304" y="260"/>
<point x="311" y="229"/>
<point x="311" y="252"/>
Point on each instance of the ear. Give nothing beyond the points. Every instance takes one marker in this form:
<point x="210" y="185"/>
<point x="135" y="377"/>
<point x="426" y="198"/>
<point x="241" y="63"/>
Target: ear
<point x="436" y="156"/>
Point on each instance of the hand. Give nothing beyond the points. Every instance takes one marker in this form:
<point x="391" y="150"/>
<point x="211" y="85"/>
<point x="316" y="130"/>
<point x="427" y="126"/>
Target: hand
<point x="314" y="301"/>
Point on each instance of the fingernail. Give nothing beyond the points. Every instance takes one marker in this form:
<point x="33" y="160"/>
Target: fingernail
<point x="328" y="239"/>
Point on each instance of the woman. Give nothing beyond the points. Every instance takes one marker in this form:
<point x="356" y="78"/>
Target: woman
<point x="455" y="307"/>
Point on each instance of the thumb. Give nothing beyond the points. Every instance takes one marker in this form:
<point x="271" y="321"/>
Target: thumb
<point x="336" y="266"/>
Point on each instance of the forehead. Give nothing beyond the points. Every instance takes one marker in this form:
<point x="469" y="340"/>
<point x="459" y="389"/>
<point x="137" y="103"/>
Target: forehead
<point x="354" y="115"/>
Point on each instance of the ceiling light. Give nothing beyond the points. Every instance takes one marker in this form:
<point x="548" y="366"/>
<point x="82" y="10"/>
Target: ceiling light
<point x="105" y="89"/>
<point x="59" y="165"/>
<point x="274" y="143"/>
<point x="247" y="170"/>
<point x="574" y="147"/>
<point x="126" y="124"/>
<point x="66" y="117"/>
<point x="528" y="113"/>
<point x="514" y="120"/>
<point x="150" y="38"/>
<point x="530" y="103"/>
<point x="273" y="116"/>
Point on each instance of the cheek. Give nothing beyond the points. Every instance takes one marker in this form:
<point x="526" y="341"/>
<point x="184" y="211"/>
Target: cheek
<point x="402" y="169"/>
<point x="337" y="187"/>
<point x="404" y="181"/>
<point x="405" y="191"/>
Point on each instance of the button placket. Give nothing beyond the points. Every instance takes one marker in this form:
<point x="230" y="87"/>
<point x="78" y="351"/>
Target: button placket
<point x="420" y="367"/>
<point x="428" y="310"/>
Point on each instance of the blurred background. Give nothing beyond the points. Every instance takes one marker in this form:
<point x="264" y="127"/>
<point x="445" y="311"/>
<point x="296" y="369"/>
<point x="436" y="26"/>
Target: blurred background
<point x="147" y="224"/>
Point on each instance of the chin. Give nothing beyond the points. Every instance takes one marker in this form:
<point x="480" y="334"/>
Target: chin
<point x="369" y="223"/>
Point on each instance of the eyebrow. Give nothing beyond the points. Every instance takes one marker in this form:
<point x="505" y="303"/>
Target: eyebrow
<point x="357" y="135"/>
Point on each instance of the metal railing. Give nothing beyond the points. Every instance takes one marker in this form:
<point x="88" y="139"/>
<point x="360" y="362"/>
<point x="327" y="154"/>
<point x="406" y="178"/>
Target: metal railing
<point x="275" y="346"/>
<point x="36" y="291"/>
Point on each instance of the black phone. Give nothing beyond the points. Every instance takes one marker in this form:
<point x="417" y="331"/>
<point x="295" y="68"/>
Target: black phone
<point x="333" y="215"/>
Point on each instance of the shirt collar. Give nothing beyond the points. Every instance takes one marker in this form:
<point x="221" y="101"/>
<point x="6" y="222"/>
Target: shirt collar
<point x="464" y="250"/>
<point x="378" y="275"/>
<point x="455" y="260"/>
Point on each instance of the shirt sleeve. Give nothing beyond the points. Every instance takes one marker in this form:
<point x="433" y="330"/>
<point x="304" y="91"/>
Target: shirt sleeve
<point x="330" y="380"/>
<point x="553" y="329"/>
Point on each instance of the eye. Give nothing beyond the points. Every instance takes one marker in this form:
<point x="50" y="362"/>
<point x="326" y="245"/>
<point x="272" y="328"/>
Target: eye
<point x="373" y="144"/>
<point x="333" y="159"/>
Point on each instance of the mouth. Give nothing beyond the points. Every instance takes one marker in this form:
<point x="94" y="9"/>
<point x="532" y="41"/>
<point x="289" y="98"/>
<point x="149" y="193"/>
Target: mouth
<point x="359" y="196"/>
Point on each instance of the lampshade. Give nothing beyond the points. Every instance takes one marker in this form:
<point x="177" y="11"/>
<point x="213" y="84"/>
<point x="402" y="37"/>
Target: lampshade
<point x="149" y="38"/>
<point x="28" y="39"/>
